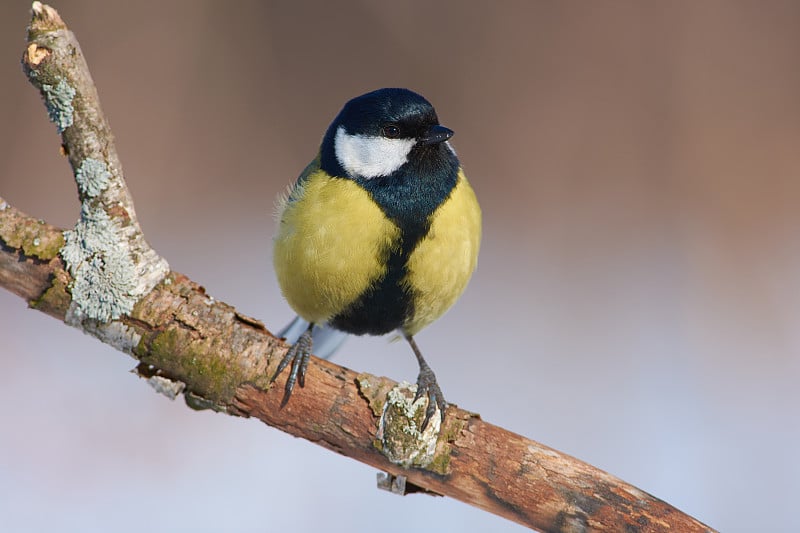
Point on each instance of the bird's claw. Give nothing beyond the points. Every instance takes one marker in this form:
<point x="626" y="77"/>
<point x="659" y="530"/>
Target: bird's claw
<point x="298" y="355"/>
<point x="428" y="387"/>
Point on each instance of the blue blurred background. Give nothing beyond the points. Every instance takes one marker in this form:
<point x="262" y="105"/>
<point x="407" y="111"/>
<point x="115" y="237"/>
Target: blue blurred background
<point x="637" y="298"/>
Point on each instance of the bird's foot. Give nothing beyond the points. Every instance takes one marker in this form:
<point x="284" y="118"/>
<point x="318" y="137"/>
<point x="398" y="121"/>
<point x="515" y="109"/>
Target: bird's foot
<point x="428" y="387"/>
<point x="298" y="356"/>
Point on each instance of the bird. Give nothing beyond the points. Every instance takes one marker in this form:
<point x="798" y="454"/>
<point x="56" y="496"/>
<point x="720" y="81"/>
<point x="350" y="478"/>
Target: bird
<point x="380" y="233"/>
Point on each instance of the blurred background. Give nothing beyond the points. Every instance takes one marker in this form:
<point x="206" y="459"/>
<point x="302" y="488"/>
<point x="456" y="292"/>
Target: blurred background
<point x="637" y="299"/>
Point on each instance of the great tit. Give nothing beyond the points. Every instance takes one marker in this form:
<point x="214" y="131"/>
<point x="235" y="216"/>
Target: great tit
<point x="380" y="233"/>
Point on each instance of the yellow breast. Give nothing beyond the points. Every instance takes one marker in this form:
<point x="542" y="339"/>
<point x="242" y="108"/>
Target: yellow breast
<point x="332" y="244"/>
<point x="442" y="263"/>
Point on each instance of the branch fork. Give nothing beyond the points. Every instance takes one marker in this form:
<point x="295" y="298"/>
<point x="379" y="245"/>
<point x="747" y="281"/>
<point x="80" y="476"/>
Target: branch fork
<point x="103" y="277"/>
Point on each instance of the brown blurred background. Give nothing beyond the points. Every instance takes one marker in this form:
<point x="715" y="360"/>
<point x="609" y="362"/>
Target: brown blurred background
<point x="637" y="299"/>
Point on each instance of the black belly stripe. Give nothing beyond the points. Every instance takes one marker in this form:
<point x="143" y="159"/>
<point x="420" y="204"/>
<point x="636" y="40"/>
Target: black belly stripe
<point x="408" y="197"/>
<point x="385" y="306"/>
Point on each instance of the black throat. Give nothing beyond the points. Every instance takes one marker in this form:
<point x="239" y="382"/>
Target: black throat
<point x="408" y="197"/>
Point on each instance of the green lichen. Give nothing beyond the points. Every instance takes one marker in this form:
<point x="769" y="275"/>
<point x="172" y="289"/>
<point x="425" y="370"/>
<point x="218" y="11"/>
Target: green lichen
<point x="166" y="342"/>
<point x="403" y="441"/>
<point x="194" y="361"/>
<point x="177" y="348"/>
<point x="105" y="276"/>
<point x="451" y="430"/>
<point x="35" y="239"/>
<point x="142" y="348"/>
<point x="58" y="99"/>
<point x="55" y="298"/>
<point x="209" y="369"/>
<point x="440" y="464"/>
<point x="92" y="177"/>
<point x="375" y="390"/>
<point x="45" y="248"/>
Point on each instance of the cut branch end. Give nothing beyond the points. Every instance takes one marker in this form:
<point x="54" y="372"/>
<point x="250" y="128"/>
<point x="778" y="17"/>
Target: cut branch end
<point x="45" y="18"/>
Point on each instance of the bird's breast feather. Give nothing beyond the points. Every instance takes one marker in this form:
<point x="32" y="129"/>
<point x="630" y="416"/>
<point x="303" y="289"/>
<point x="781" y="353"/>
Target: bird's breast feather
<point x="442" y="263"/>
<point x="332" y="245"/>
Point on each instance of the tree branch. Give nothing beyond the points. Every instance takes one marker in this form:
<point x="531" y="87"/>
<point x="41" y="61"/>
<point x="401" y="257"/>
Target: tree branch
<point x="103" y="277"/>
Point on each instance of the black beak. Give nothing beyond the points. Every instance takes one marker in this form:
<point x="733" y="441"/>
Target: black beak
<point x="436" y="134"/>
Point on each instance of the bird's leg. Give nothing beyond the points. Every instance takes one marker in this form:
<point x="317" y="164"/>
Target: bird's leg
<point x="427" y="386"/>
<point x="298" y="356"/>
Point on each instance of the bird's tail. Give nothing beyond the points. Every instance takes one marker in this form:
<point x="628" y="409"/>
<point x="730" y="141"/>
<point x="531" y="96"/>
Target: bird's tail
<point x="326" y="339"/>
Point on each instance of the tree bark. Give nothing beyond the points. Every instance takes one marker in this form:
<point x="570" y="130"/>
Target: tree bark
<point x="103" y="277"/>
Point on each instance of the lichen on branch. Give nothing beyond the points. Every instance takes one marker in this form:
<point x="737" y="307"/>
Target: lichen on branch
<point x="111" y="264"/>
<point x="103" y="277"/>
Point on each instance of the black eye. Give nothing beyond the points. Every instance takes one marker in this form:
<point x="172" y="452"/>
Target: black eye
<point x="390" y="131"/>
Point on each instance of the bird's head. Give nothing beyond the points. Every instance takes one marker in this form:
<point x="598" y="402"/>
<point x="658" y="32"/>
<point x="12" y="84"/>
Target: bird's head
<point x="375" y="134"/>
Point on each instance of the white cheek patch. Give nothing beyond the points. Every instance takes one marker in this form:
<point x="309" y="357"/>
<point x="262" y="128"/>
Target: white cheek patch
<point x="370" y="157"/>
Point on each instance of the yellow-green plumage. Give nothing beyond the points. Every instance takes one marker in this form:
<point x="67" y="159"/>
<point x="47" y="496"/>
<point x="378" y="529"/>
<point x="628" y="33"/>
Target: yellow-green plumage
<point x="442" y="263"/>
<point x="379" y="233"/>
<point x="333" y="240"/>
<point x="328" y="248"/>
